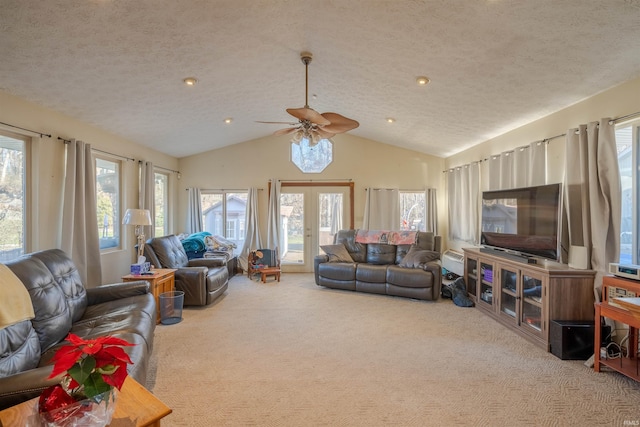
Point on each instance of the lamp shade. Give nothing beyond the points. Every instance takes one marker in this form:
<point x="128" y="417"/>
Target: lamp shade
<point x="137" y="217"/>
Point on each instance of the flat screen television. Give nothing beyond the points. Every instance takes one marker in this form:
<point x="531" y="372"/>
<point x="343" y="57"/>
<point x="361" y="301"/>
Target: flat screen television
<point x="523" y="220"/>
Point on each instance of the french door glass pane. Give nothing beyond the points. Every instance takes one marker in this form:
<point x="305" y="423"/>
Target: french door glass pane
<point x="12" y="200"/>
<point x="236" y="210"/>
<point x="293" y="232"/>
<point x="330" y="208"/>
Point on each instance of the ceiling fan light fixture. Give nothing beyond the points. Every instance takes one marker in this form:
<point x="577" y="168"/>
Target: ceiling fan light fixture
<point x="422" y="80"/>
<point x="190" y="81"/>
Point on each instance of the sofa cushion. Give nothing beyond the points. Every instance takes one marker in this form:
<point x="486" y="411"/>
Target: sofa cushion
<point x="67" y="278"/>
<point x="371" y="273"/>
<point x="169" y="251"/>
<point x="417" y="257"/>
<point x="338" y="270"/>
<point x="337" y="253"/>
<point x="381" y="254"/>
<point x="19" y="348"/>
<point x="358" y="251"/>
<point x="53" y="318"/>
<point x="409" y="277"/>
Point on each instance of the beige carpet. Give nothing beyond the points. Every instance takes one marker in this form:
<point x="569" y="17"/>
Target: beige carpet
<point x="295" y="354"/>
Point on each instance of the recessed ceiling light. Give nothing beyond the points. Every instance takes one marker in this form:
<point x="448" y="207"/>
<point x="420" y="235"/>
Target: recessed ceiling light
<point x="390" y="120"/>
<point x="228" y="120"/>
<point x="422" y="81"/>
<point x="190" y="81"/>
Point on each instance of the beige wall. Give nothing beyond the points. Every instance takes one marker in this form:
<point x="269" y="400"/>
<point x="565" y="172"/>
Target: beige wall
<point x="616" y="102"/>
<point x="48" y="165"/>
<point x="367" y="163"/>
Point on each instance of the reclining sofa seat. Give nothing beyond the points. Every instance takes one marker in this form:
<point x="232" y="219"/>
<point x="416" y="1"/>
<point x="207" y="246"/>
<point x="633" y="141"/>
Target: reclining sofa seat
<point x="375" y="268"/>
<point x="201" y="279"/>
<point x="62" y="305"/>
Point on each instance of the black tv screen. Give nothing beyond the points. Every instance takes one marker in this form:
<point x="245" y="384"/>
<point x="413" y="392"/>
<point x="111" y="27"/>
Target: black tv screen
<point x="524" y="220"/>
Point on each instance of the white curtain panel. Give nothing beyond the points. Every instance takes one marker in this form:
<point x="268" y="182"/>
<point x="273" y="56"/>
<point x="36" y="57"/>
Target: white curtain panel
<point x="382" y="209"/>
<point x="592" y="196"/>
<point x="146" y="195"/>
<point x="336" y="213"/>
<point x="463" y="191"/>
<point x="494" y="172"/>
<point x="79" y="232"/>
<point x="274" y="224"/>
<point x="252" y="239"/>
<point x="523" y="167"/>
<point x="194" y="211"/>
<point x="431" y="210"/>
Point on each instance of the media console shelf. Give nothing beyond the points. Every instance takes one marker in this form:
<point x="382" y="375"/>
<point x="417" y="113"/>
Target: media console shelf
<point x="527" y="296"/>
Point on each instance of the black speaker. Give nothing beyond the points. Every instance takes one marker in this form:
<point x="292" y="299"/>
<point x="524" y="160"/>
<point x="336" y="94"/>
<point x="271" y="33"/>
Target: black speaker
<point x="571" y="340"/>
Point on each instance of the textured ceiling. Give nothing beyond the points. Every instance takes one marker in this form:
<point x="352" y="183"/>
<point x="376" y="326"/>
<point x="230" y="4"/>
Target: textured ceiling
<point x="494" y="65"/>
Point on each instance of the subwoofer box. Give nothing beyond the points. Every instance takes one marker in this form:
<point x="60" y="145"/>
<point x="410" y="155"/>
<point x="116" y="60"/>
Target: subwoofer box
<point x="571" y="340"/>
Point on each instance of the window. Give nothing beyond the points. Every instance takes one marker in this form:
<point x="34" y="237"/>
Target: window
<point x="412" y="211"/>
<point x="161" y="194"/>
<point x="13" y="200"/>
<point x="628" y="142"/>
<point x="223" y="214"/>
<point x="312" y="158"/>
<point x="108" y="202"/>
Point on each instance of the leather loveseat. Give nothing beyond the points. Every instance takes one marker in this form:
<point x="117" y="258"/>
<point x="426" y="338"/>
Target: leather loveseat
<point x="61" y="306"/>
<point x="384" y="268"/>
<point x="201" y="279"/>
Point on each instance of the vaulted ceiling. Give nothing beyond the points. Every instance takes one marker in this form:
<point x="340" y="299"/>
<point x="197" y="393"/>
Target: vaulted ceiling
<point x="494" y="65"/>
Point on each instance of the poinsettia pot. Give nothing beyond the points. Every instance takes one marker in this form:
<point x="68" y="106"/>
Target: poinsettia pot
<point x="94" y="412"/>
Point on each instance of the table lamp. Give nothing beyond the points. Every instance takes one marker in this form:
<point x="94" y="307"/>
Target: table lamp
<point x="139" y="218"/>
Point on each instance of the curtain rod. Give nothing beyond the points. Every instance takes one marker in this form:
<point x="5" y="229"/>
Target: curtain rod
<point x="546" y="140"/>
<point x="28" y="130"/>
<point x="236" y="190"/>
<point x="66" y="141"/>
<point x="314" y="180"/>
<point x="163" y="168"/>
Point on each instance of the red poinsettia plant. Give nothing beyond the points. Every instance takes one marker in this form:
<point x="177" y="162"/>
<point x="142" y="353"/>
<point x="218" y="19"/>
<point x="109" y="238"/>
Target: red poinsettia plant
<point x="91" y="368"/>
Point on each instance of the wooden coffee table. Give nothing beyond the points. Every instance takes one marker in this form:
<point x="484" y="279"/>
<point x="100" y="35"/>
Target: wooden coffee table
<point x="135" y="406"/>
<point x="269" y="271"/>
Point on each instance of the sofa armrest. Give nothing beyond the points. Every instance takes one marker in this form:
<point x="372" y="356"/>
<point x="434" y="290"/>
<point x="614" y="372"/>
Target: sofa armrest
<point x="208" y="262"/>
<point x="319" y="259"/>
<point x="25" y="385"/>
<point x="435" y="267"/>
<point x="116" y="291"/>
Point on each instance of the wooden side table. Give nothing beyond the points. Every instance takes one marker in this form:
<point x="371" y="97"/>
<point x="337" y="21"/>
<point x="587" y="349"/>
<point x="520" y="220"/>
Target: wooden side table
<point x="162" y="280"/>
<point x="135" y="406"/>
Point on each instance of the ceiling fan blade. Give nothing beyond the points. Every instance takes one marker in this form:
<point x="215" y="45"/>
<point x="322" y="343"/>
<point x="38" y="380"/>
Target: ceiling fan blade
<point x="278" y="123"/>
<point x="285" y="131"/>
<point x="339" y="123"/>
<point x="324" y="134"/>
<point x="310" y="114"/>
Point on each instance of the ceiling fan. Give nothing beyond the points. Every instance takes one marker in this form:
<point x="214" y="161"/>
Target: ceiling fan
<point x="311" y="124"/>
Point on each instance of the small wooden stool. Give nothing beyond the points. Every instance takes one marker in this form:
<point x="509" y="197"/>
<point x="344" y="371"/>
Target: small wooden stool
<point x="269" y="271"/>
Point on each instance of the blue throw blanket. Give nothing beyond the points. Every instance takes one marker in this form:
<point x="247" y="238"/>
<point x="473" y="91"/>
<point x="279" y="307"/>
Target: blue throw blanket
<point x="195" y="242"/>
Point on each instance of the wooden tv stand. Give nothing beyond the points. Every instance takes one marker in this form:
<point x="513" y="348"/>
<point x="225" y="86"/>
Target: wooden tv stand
<point x="526" y="296"/>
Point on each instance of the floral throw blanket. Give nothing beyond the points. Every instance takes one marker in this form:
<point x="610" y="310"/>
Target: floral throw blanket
<point x="386" y="237"/>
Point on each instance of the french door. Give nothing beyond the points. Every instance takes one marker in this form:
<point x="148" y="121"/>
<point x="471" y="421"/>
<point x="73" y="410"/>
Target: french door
<point x="311" y="215"/>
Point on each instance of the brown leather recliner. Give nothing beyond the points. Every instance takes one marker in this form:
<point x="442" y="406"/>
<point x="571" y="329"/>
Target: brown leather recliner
<point x="202" y="280"/>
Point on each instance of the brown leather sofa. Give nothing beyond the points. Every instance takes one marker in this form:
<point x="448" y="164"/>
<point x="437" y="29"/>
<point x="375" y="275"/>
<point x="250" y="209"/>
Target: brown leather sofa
<point x="62" y="305"/>
<point x="201" y="279"/>
<point x="377" y="268"/>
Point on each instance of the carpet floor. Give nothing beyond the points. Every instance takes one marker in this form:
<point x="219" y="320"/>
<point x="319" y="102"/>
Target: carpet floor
<point x="295" y="354"/>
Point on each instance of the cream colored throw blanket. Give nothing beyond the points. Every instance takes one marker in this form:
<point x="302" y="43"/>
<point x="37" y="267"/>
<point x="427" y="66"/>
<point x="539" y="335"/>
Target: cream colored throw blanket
<point x="15" y="304"/>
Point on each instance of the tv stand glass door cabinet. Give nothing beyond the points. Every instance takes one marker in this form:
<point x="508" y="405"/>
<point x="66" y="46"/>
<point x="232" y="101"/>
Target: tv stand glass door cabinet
<point x="527" y="297"/>
<point x="521" y="300"/>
